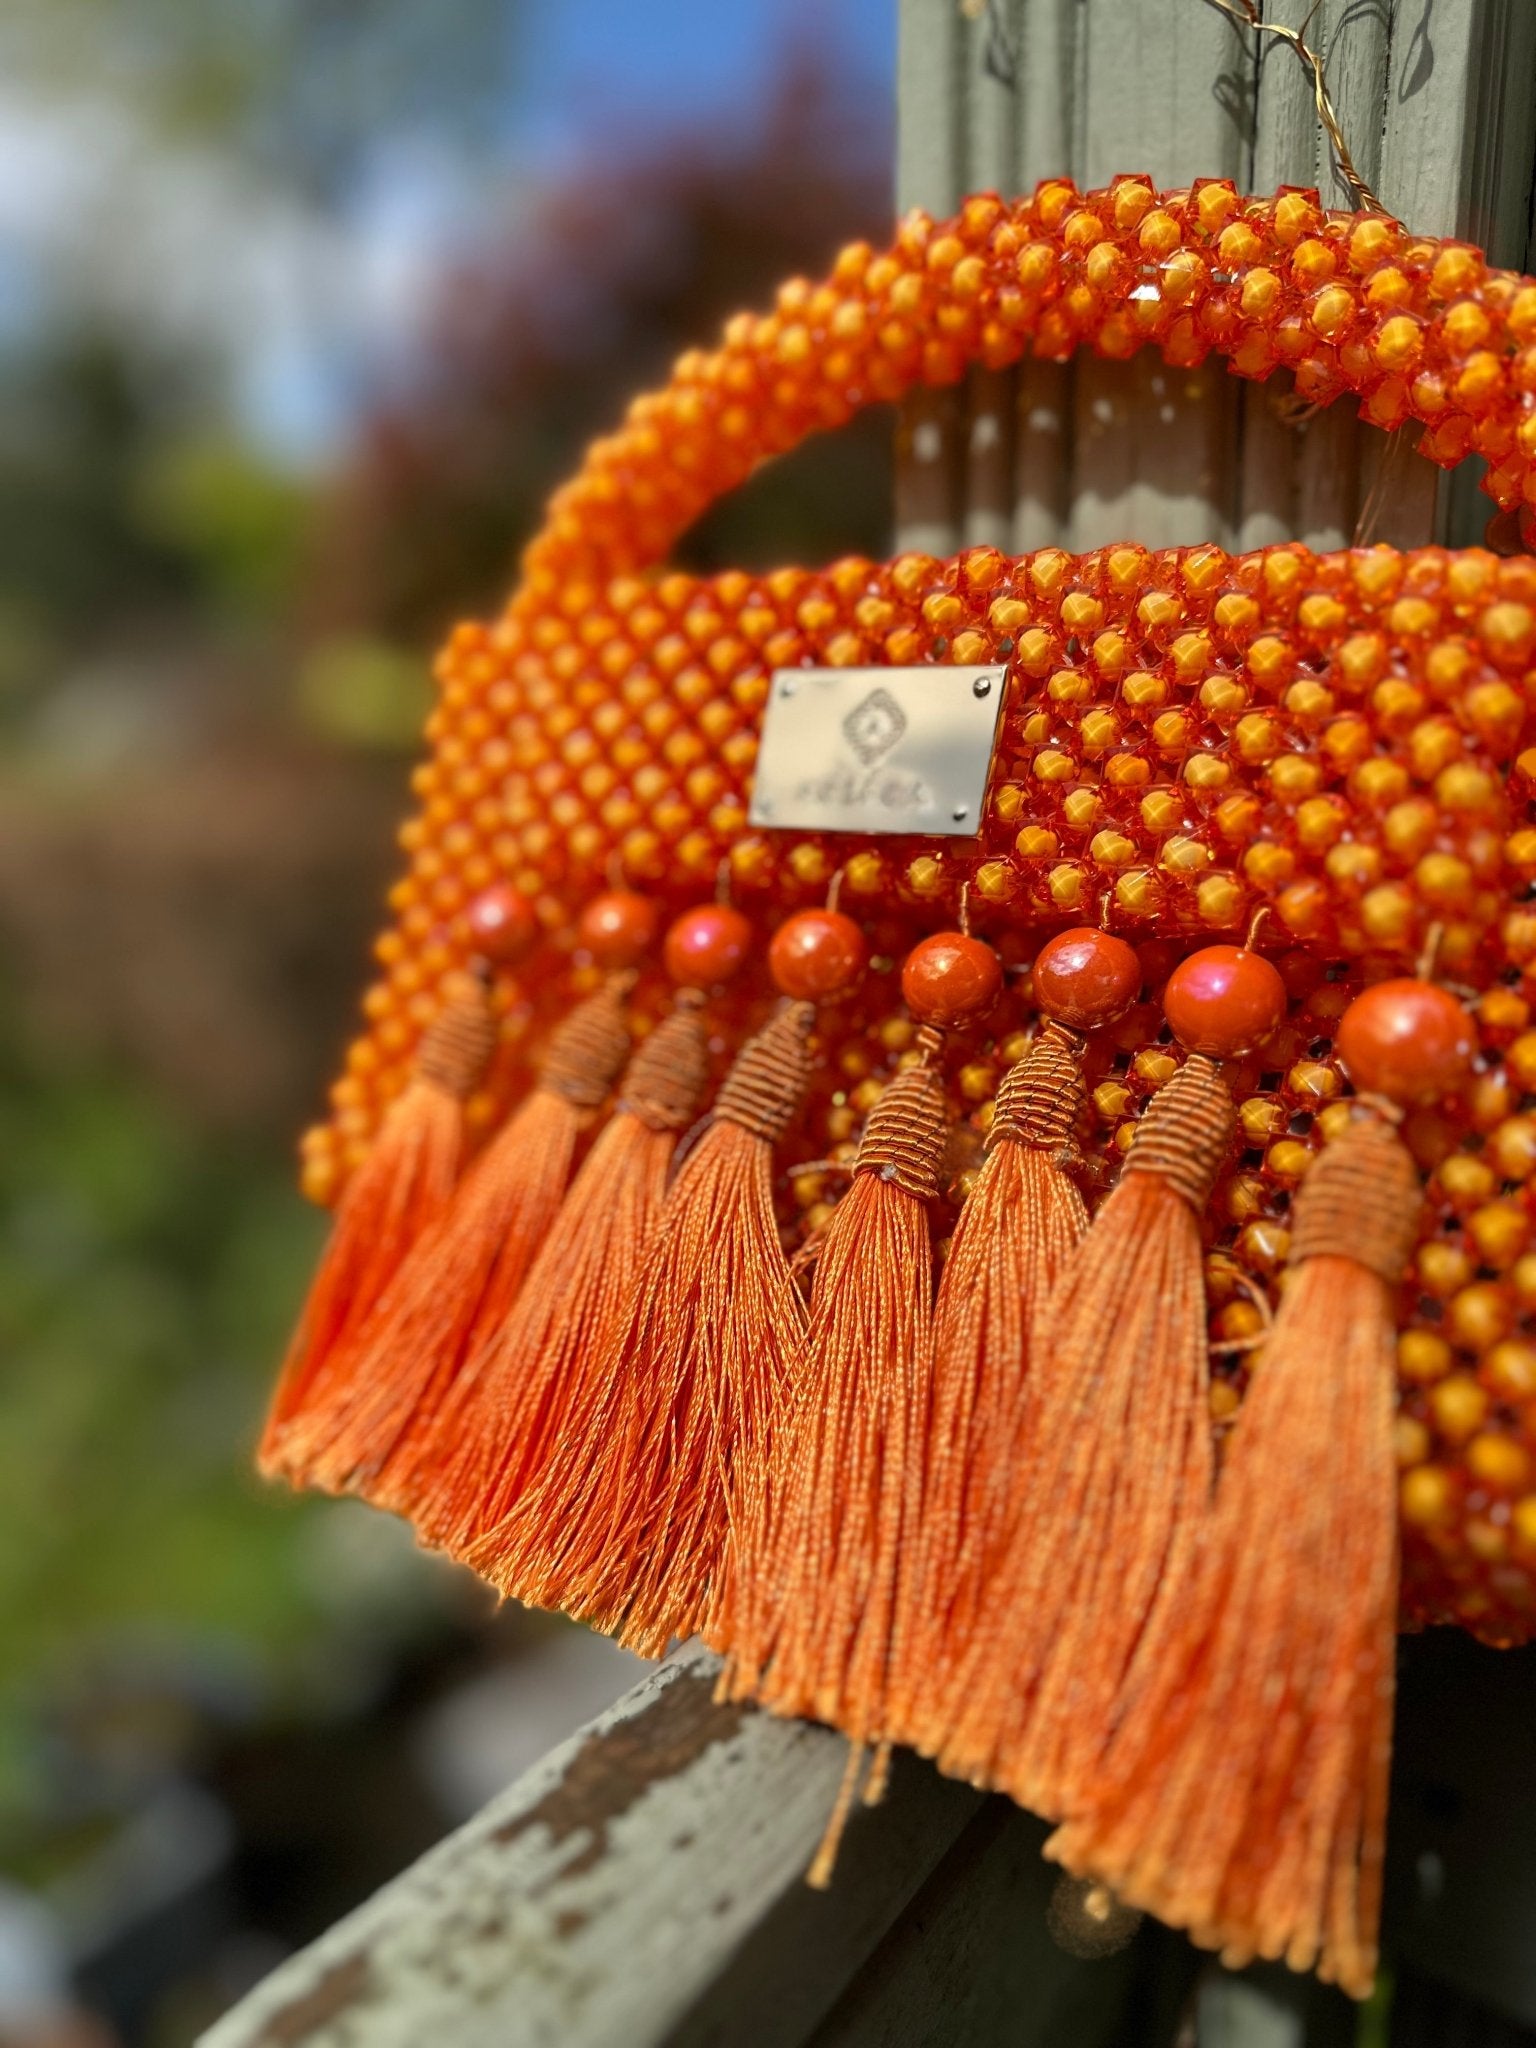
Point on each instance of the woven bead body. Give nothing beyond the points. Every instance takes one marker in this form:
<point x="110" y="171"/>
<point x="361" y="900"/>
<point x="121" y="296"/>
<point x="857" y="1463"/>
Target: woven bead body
<point x="1344" y="741"/>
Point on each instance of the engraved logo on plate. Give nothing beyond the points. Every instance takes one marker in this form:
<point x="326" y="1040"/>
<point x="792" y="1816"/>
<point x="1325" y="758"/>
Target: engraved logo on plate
<point x="877" y="749"/>
<point x="874" y="726"/>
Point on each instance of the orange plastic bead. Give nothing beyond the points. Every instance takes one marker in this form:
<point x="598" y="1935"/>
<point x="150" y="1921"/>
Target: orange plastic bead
<point x="1407" y="1040"/>
<point x="816" y="953"/>
<point x="1086" y="978"/>
<point x="502" y="924"/>
<point x="618" y="928"/>
<point x="949" y="978"/>
<point x="1223" y="1001"/>
<point x="706" y="946"/>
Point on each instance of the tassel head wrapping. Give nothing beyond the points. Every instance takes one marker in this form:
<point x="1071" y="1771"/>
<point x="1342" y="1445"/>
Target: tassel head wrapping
<point x="456" y="1046"/>
<point x="1243" y="1797"/>
<point x="401" y="1187"/>
<point x="1116" y="1448"/>
<point x="820" y="1529"/>
<point x="1023" y="1219"/>
<point x="766" y="1085"/>
<point x="464" y="1273"/>
<point x="536" y="1374"/>
<point x="1041" y="1098"/>
<point x="627" y="1523"/>
<point x="1184" y="1135"/>
<point x="666" y="1078"/>
<point x="589" y="1048"/>
<point x="1361" y="1200"/>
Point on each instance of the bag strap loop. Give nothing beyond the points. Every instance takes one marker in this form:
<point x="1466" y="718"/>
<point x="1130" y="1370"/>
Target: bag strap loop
<point x="1415" y="328"/>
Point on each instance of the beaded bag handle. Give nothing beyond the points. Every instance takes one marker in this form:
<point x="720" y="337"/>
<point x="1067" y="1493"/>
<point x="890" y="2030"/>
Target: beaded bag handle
<point x="1416" y="328"/>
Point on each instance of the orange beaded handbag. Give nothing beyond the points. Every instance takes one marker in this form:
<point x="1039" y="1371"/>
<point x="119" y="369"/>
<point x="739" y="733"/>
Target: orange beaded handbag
<point x="1041" y="1526"/>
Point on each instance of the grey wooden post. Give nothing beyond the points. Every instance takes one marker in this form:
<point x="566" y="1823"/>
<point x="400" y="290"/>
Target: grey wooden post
<point x="1438" y="100"/>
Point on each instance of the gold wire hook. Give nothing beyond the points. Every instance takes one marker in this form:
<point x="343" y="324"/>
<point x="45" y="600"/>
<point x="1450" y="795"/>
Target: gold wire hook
<point x="965" y="907"/>
<point x="723" y="882"/>
<point x="1255" y="926"/>
<point x="1429" y="953"/>
<point x="615" y="869"/>
<point x="835" y="890"/>
<point x="1246" y="14"/>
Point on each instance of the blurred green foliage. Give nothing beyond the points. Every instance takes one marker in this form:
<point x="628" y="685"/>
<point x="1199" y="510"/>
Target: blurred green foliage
<point x="363" y="691"/>
<point x="211" y="670"/>
<point x="239" y="525"/>
<point x="146" y="1273"/>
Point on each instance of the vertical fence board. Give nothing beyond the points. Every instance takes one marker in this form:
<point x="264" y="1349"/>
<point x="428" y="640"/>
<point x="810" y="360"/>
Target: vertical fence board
<point x="990" y="115"/>
<point x="1469" y="66"/>
<point x="1047" y="51"/>
<point x="1438" y="101"/>
<point x="1153" y="446"/>
<point x="1327" y="451"/>
<point x="931" y="56"/>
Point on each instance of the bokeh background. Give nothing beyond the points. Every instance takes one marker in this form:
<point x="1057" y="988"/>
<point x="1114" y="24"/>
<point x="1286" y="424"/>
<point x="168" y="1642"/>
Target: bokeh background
<point x="304" y="306"/>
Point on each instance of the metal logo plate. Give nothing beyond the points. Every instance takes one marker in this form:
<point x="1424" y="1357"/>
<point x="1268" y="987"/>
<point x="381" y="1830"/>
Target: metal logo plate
<point x="877" y="749"/>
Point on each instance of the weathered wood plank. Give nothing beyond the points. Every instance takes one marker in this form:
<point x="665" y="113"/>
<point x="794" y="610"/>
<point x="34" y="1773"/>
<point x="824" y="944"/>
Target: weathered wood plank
<point x="643" y="1885"/>
<point x="1153" y="449"/>
<point x="931" y="52"/>
<point x="1046" y="50"/>
<point x="1467" y="68"/>
<point x="1438" y="103"/>
<point x="989" y="120"/>
<point x="973" y="1960"/>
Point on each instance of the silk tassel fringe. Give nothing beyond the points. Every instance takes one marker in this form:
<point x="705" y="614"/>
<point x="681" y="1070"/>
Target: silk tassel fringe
<point x="1244" y="1796"/>
<point x="626" y="1526"/>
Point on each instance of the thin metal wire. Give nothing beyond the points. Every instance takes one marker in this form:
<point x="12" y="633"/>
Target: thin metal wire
<point x="1246" y="15"/>
<point x="1397" y="443"/>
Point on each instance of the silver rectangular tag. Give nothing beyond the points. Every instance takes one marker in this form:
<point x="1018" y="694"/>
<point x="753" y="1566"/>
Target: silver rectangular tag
<point x="877" y="749"/>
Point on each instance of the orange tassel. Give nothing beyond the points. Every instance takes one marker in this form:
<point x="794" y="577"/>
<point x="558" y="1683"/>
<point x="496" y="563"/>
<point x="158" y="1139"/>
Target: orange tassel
<point x="463" y="1275"/>
<point x="808" y="1609"/>
<point x="1244" y="1795"/>
<point x="1020" y="1224"/>
<point x="626" y="1525"/>
<point x="533" y="1379"/>
<point x="402" y="1186"/>
<point x="1114" y="1467"/>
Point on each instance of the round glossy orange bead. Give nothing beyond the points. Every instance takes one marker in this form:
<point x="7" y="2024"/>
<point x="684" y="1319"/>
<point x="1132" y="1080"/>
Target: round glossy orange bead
<point x="1223" y="1001"/>
<point x="949" y="978"/>
<point x="1086" y="978"/>
<point x="705" y="947"/>
<point x="502" y="925"/>
<point x="816" y="953"/>
<point x="1407" y="1040"/>
<point x="617" y="928"/>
